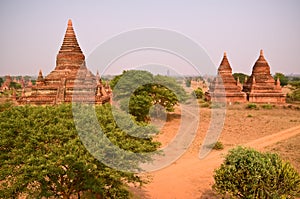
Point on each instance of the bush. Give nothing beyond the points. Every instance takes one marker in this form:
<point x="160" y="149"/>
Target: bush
<point x="5" y="105"/>
<point x="218" y="146"/>
<point x="267" y="106"/>
<point x="294" y="96"/>
<point x="198" y="93"/>
<point x="205" y="104"/>
<point x="247" y="173"/>
<point x="251" y="106"/>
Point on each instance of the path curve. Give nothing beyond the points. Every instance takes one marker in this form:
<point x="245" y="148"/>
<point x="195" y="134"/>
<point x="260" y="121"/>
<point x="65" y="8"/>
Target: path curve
<point x="190" y="177"/>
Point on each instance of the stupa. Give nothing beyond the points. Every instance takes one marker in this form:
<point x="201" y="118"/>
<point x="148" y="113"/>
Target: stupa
<point x="260" y="86"/>
<point x="225" y="88"/>
<point x="70" y="80"/>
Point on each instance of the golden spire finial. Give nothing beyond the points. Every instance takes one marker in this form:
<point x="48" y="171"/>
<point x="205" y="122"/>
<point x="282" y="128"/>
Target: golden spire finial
<point x="225" y="54"/>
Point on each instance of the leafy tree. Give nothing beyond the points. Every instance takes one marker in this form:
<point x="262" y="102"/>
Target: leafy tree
<point x="295" y="84"/>
<point x="241" y="77"/>
<point x="42" y="155"/>
<point x="188" y="81"/>
<point x="15" y="85"/>
<point x="1" y="81"/>
<point x="294" y="96"/>
<point x="247" y="173"/>
<point x="198" y="93"/>
<point x="140" y="90"/>
<point x="295" y="78"/>
<point x="282" y="78"/>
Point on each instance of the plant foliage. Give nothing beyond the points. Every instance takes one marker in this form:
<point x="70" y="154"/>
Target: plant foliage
<point x="138" y="91"/>
<point x="42" y="155"/>
<point x="247" y="173"/>
<point x="282" y="78"/>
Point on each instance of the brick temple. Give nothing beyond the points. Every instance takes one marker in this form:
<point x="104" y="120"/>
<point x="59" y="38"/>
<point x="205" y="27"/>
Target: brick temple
<point x="261" y="87"/>
<point x="225" y="88"/>
<point x="70" y="80"/>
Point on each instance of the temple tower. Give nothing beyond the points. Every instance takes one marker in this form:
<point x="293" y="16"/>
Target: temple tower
<point x="70" y="80"/>
<point x="225" y="87"/>
<point x="261" y="87"/>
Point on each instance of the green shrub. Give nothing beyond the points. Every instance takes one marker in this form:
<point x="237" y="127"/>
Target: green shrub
<point x="198" y="93"/>
<point x="218" y="145"/>
<point x="251" y="106"/>
<point x="205" y="104"/>
<point x="5" y="105"/>
<point x="294" y="96"/>
<point x="267" y="106"/>
<point x="247" y="173"/>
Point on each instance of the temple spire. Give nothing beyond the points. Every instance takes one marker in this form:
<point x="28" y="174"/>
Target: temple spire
<point x="70" y="23"/>
<point x="40" y="77"/>
<point x="224" y="65"/>
<point x="70" y="43"/>
<point x="261" y="52"/>
<point x="70" y="55"/>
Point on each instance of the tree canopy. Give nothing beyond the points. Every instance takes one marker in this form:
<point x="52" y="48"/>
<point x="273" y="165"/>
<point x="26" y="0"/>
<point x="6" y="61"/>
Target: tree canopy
<point x="282" y="78"/>
<point x="15" y="85"/>
<point x="241" y="77"/>
<point x="42" y="155"/>
<point x="138" y="91"/>
<point x="1" y="81"/>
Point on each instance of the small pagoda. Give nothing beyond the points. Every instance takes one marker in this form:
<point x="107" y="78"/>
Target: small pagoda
<point x="261" y="87"/>
<point x="70" y="80"/>
<point x="225" y="88"/>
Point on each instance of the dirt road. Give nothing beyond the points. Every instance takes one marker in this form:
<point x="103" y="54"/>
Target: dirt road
<point x="190" y="177"/>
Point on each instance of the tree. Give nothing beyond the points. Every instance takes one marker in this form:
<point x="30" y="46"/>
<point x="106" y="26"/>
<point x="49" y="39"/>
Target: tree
<point x="33" y="81"/>
<point x="294" y="95"/>
<point x="282" y="78"/>
<point x="247" y="173"/>
<point x="188" y="81"/>
<point x="15" y="85"/>
<point x="1" y="81"/>
<point x="140" y="90"/>
<point x="241" y="77"/>
<point x="198" y="93"/>
<point x="42" y="155"/>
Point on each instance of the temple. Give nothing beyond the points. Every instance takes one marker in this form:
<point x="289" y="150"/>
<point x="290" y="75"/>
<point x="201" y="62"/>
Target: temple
<point x="69" y="81"/>
<point x="261" y="87"/>
<point x="225" y="88"/>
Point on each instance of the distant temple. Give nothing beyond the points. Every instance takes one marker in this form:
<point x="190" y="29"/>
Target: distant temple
<point x="225" y="88"/>
<point x="69" y="81"/>
<point x="259" y="88"/>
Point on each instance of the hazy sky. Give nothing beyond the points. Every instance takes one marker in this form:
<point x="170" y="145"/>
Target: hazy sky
<point x="32" y="31"/>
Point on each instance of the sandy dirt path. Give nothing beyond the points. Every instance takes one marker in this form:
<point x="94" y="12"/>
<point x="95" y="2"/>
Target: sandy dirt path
<point x="190" y="177"/>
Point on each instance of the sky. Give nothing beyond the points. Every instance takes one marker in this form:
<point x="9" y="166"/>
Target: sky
<point x="32" y="31"/>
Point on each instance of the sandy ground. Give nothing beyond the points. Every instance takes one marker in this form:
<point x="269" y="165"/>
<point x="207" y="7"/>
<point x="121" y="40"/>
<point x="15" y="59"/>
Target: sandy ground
<point x="191" y="177"/>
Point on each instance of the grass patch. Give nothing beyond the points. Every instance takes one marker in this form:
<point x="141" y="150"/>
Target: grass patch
<point x="217" y="105"/>
<point x="204" y="104"/>
<point x="267" y="106"/>
<point x="251" y="106"/>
